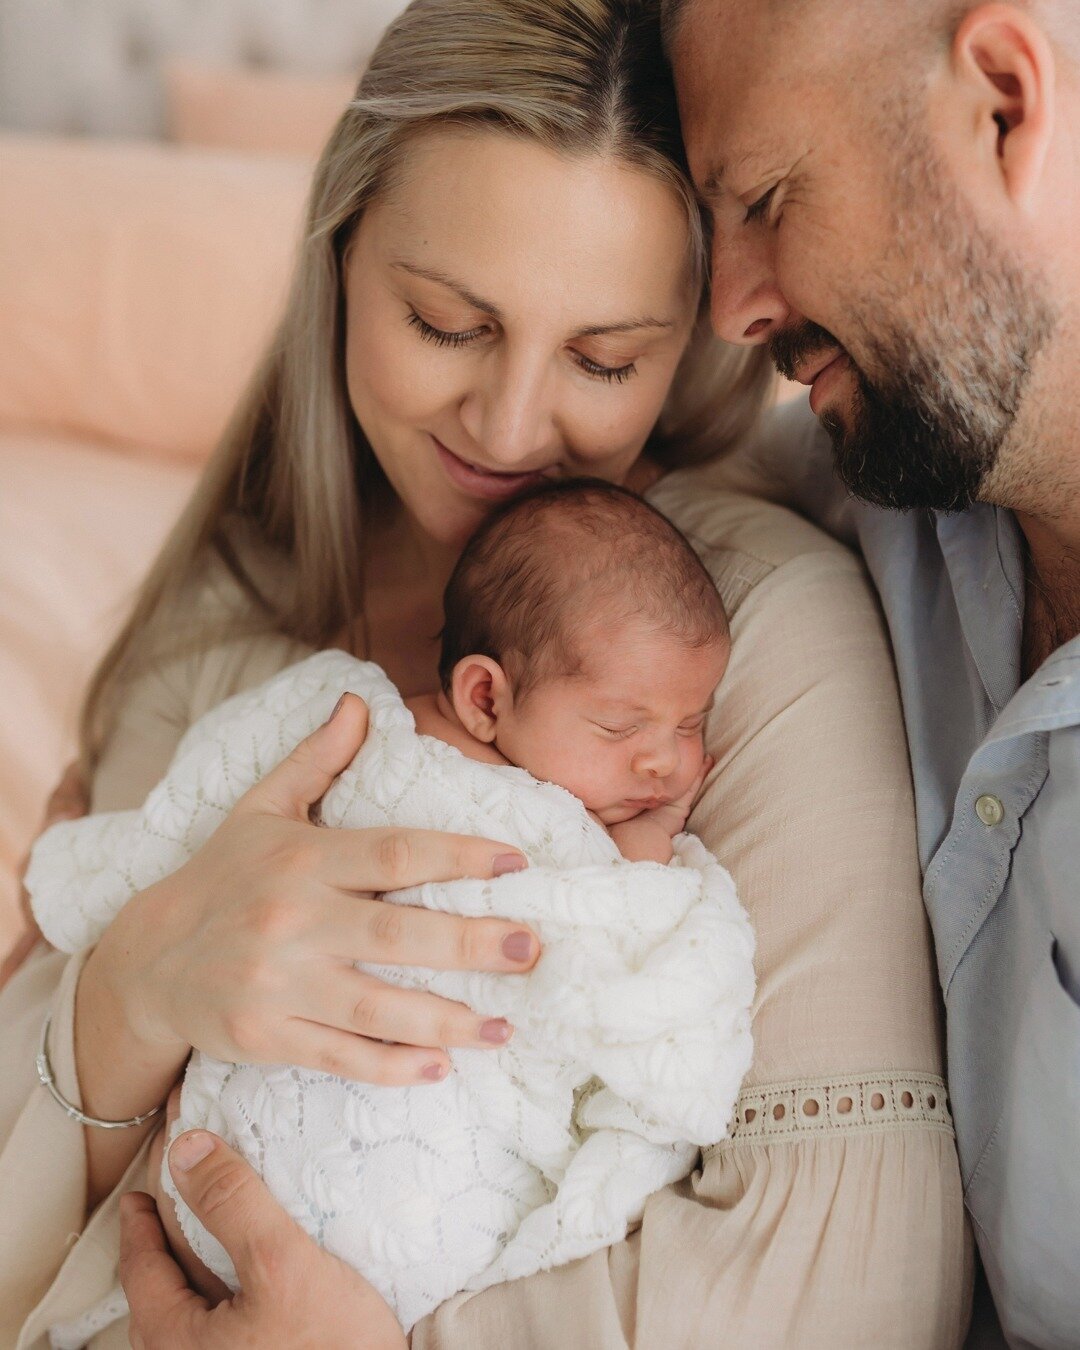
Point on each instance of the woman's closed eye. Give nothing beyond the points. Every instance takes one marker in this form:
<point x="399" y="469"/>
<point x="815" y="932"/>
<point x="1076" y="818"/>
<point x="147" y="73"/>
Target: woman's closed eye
<point x="444" y="337"/>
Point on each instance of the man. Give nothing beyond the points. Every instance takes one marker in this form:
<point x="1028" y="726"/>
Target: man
<point x="895" y="191"/>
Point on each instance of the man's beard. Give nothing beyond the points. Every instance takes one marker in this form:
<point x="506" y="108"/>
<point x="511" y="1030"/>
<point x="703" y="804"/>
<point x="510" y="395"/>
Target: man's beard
<point x="928" y="429"/>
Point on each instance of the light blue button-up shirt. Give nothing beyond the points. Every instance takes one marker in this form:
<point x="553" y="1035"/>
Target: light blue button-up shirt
<point x="996" y="767"/>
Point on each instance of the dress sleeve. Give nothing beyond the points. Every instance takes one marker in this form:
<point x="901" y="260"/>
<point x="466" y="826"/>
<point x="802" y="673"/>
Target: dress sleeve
<point x="832" y="1215"/>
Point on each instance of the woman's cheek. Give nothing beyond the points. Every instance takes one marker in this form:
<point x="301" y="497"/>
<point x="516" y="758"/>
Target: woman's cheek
<point x="618" y="419"/>
<point x="393" y="379"/>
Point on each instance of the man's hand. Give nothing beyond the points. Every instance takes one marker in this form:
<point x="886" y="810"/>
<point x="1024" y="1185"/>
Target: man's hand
<point x="293" y="1294"/>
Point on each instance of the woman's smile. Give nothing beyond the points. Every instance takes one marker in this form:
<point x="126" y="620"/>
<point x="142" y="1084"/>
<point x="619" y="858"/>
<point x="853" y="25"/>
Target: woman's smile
<point x="476" y="481"/>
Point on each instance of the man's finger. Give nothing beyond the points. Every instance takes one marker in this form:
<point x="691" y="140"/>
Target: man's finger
<point x="297" y="783"/>
<point x="232" y="1202"/>
<point x="151" y="1278"/>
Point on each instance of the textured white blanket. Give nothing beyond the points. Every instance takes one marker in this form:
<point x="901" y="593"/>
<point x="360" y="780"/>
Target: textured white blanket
<point x="632" y="1033"/>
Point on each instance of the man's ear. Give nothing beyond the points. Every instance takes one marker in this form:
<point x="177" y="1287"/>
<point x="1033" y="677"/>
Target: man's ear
<point x="480" y="693"/>
<point x="1005" y="57"/>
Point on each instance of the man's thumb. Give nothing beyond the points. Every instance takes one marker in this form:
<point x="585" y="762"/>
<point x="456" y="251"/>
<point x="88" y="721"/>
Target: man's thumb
<point x="231" y="1201"/>
<point x="304" y="776"/>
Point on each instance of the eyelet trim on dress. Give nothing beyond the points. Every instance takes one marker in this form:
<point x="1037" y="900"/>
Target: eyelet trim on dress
<point x="812" y="1107"/>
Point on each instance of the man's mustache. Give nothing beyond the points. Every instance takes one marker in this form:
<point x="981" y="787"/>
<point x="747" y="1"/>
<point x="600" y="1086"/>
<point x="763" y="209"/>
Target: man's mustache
<point x="790" y="347"/>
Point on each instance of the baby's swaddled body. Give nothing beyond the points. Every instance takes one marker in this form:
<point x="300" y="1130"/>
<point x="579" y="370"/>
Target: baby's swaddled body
<point x="631" y="1034"/>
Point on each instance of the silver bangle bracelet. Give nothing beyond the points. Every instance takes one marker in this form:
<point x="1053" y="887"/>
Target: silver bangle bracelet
<point x="45" y="1075"/>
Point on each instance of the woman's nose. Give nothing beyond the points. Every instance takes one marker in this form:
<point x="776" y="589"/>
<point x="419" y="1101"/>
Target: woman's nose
<point x="509" y="417"/>
<point x="747" y="305"/>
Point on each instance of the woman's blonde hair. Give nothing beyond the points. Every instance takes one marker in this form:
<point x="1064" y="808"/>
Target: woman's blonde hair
<point x="293" y="471"/>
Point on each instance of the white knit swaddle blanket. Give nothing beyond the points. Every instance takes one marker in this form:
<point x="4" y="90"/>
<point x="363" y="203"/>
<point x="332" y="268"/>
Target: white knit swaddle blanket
<point x="632" y="1033"/>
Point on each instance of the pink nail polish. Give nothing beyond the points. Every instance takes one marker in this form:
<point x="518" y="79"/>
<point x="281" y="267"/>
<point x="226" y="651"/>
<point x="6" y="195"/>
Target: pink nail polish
<point x="517" y="947"/>
<point x="433" y="1073"/>
<point x="337" y="709"/>
<point x="508" y="862"/>
<point x="497" y="1030"/>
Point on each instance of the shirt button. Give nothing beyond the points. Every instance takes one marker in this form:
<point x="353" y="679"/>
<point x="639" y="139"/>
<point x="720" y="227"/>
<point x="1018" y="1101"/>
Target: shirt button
<point x="989" y="810"/>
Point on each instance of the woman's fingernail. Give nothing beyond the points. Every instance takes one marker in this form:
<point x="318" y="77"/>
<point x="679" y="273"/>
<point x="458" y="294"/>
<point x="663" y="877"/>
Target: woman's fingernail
<point x="517" y="947"/>
<point x="189" y="1149"/>
<point x="508" y="862"/>
<point x="337" y="709"/>
<point x="433" y="1073"/>
<point x="496" y="1030"/>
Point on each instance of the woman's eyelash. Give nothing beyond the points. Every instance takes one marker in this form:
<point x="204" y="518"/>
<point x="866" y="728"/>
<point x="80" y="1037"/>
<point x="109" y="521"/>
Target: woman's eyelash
<point x="757" y="210"/>
<point x="440" y="336"/>
<point x="613" y="374"/>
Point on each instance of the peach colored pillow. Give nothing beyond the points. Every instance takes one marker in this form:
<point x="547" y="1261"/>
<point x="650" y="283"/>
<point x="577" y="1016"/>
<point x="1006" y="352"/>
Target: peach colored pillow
<point x="79" y="525"/>
<point x="138" y="284"/>
<point x="261" y="111"/>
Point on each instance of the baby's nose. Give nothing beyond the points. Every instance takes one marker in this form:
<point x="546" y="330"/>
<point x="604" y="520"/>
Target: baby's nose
<point x="658" y="761"/>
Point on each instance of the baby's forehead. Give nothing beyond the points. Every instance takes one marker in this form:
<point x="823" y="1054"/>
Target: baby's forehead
<point x="639" y="667"/>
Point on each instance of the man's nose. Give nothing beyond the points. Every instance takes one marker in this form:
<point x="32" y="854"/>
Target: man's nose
<point x="509" y="414"/>
<point x="747" y="305"/>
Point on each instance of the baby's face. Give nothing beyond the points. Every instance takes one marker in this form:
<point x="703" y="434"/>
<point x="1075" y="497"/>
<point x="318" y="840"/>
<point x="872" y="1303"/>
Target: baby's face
<point x="625" y="734"/>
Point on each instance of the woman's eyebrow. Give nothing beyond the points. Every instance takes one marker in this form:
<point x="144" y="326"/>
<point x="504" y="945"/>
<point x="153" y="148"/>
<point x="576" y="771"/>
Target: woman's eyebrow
<point x="626" y="326"/>
<point x="487" y="307"/>
<point x="441" y="279"/>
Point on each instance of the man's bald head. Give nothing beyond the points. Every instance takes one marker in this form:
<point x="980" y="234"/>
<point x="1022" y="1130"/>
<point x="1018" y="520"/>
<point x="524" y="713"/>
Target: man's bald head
<point x="879" y="22"/>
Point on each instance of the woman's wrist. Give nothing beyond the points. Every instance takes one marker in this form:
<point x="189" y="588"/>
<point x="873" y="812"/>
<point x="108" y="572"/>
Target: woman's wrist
<point x="125" y="1062"/>
<point x="128" y="964"/>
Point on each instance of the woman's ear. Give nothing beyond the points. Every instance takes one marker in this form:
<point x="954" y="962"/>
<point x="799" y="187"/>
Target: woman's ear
<point x="480" y="693"/>
<point x="1004" y="54"/>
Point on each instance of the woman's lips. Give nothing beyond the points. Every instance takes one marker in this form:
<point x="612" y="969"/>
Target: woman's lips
<point x="492" y="487"/>
<point x="825" y="380"/>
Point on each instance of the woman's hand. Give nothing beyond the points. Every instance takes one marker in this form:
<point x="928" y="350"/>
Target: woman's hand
<point x="292" y="1293"/>
<point x="68" y="801"/>
<point x="246" y="952"/>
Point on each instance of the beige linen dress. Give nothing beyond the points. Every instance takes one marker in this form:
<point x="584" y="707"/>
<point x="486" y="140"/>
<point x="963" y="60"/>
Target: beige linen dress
<point x="833" y="1216"/>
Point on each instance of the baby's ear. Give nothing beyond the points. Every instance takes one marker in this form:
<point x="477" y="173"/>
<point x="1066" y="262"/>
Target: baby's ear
<point x="479" y="691"/>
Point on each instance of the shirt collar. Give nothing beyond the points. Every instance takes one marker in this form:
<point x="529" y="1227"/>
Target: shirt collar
<point x="984" y="556"/>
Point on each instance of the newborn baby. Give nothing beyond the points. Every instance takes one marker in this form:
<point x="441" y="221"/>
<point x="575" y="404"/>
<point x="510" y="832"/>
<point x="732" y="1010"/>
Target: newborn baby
<point x="582" y="644"/>
<point x="583" y="641"/>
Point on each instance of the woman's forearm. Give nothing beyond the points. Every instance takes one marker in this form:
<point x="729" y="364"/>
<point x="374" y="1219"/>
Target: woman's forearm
<point x="122" y="1071"/>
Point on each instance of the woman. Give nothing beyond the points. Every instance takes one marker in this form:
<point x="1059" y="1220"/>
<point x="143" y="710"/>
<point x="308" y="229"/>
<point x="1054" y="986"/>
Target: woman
<point x="502" y="277"/>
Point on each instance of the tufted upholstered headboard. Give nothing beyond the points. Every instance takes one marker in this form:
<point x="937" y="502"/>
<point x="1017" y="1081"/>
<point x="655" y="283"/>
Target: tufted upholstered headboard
<point x="93" y="66"/>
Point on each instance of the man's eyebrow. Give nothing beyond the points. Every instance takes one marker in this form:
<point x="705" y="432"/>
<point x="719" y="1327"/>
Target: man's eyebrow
<point x="487" y="307"/>
<point x="442" y="279"/>
<point x="714" y="179"/>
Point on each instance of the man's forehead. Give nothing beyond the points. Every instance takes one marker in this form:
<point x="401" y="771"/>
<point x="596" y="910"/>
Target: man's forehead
<point x="741" y="87"/>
